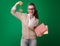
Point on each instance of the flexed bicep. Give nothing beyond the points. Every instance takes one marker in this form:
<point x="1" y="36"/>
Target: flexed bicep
<point x="15" y="13"/>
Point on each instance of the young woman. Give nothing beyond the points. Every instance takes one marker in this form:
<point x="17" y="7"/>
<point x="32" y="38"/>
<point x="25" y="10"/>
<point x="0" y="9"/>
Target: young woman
<point x="29" y="22"/>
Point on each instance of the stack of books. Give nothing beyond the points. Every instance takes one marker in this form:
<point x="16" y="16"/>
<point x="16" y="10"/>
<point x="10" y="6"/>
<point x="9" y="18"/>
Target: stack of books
<point x="41" y="29"/>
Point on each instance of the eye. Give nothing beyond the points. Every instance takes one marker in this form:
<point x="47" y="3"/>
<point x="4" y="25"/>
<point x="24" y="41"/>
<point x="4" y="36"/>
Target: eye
<point x="30" y="8"/>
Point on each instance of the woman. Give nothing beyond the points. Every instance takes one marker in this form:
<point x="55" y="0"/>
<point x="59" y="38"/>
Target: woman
<point x="29" y="22"/>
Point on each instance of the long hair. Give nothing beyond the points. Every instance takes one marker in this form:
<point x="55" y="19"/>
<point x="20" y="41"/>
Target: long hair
<point x="35" y="11"/>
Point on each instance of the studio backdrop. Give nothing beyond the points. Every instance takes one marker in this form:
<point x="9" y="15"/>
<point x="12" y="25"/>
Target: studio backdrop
<point x="11" y="28"/>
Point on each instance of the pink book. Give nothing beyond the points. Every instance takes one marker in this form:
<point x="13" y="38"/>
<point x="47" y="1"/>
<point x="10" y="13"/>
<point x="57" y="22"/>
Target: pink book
<point x="39" y="30"/>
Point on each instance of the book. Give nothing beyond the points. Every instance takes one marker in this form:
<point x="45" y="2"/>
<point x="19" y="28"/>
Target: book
<point x="46" y="32"/>
<point x="41" y="29"/>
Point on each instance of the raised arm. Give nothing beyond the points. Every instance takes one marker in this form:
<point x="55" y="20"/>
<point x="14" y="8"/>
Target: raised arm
<point x="14" y="12"/>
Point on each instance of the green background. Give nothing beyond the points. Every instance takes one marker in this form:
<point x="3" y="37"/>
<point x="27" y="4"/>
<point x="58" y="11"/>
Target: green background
<point x="10" y="26"/>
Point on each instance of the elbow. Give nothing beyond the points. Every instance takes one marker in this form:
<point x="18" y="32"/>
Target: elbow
<point x="11" y="12"/>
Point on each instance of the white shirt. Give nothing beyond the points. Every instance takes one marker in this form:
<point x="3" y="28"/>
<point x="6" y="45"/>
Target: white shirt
<point x="30" y="21"/>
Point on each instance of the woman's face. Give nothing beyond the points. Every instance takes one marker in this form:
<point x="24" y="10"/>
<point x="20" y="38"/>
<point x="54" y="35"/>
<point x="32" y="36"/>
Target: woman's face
<point x="31" y="9"/>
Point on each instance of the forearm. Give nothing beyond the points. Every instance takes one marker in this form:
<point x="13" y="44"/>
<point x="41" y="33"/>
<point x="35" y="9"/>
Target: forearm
<point x="31" y="27"/>
<point x="13" y="10"/>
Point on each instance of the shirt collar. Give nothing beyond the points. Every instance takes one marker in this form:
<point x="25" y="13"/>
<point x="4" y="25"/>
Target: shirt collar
<point x="31" y="18"/>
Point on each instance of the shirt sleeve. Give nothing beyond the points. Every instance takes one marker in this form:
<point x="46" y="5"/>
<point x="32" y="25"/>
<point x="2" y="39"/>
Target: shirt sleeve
<point x="15" y="13"/>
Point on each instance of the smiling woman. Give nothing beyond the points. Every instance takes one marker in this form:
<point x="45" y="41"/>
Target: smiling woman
<point x="32" y="10"/>
<point x="10" y="27"/>
<point x="29" y="21"/>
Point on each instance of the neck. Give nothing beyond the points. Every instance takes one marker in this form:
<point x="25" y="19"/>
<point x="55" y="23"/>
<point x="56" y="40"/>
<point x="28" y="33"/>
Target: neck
<point x="31" y="16"/>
